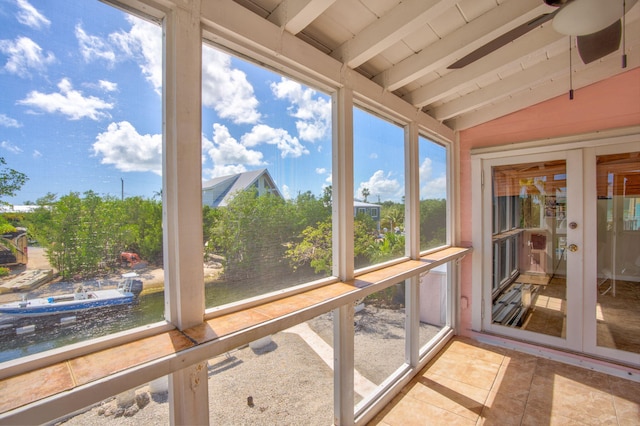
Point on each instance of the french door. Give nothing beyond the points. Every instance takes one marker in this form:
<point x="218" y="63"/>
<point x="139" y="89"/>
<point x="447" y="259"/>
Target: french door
<point x="560" y="248"/>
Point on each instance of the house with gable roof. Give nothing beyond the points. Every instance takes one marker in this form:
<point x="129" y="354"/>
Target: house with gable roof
<point x="219" y="191"/>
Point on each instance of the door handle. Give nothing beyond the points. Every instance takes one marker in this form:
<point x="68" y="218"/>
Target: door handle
<point x="573" y="248"/>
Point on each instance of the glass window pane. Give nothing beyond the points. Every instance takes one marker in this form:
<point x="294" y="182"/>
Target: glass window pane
<point x="618" y="215"/>
<point x="529" y="261"/>
<point x="378" y="148"/>
<point x="433" y="194"/>
<point x="433" y="303"/>
<point x="81" y="124"/>
<point x="286" y="378"/>
<point x="380" y="336"/>
<point x="147" y="404"/>
<point x="266" y="180"/>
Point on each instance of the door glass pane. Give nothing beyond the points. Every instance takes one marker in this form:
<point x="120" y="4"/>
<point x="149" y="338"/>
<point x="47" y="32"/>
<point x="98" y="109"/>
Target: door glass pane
<point x="618" y="212"/>
<point x="529" y="259"/>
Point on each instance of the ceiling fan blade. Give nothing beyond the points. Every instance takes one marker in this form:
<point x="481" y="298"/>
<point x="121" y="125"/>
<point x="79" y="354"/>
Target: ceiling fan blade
<point x="599" y="44"/>
<point x="502" y="40"/>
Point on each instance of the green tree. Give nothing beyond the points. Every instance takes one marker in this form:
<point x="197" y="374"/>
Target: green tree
<point x="314" y="249"/>
<point x="84" y="235"/>
<point x="141" y="220"/>
<point x="62" y="234"/>
<point x="251" y="234"/>
<point x="392" y="216"/>
<point x="10" y="181"/>
<point x="365" y="193"/>
<point x="433" y="223"/>
<point x="309" y="210"/>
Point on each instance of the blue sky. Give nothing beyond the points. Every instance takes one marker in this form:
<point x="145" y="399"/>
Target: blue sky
<point x="80" y="109"/>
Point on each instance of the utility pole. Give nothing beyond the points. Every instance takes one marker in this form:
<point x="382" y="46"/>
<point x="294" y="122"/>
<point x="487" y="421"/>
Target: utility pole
<point x="122" y="189"/>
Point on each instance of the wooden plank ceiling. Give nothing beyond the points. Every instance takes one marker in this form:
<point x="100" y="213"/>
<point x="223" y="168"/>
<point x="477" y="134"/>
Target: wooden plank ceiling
<point x="408" y="46"/>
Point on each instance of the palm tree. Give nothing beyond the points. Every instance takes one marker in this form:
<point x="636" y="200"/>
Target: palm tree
<point x="365" y="193"/>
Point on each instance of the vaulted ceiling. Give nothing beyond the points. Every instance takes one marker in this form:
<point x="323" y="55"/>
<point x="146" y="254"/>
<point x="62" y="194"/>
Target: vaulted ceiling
<point x="408" y="47"/>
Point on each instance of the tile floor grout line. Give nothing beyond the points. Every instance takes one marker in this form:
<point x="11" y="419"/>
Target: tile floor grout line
<point x="613" y="400"/>
<point x="526" y="402"/>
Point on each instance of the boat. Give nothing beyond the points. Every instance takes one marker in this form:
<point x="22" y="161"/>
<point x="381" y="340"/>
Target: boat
<point x="81" y="300"/>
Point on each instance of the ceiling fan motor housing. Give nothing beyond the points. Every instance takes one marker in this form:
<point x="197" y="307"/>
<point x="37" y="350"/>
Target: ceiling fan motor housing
<point x="556" y="3"/>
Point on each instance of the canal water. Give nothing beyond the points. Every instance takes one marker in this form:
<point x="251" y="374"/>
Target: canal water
<point x="149" y="309"/>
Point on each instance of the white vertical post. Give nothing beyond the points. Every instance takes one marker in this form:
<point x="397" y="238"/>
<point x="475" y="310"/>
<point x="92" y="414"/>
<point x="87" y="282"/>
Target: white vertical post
<point x="342" y="174"/>
<point x="412" y="241"/>
<point x="343" y="253"/>
<point x="343" y="365"/>
<point x="182" y="201"/>
<point x="412" y="190"/>
<point x="182" y="178"/>
<point x="189" y="395"/>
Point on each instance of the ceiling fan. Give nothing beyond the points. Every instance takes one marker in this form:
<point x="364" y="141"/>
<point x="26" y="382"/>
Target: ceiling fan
<point x="597" y="25"/>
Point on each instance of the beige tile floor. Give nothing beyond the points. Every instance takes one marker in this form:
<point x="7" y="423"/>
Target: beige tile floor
<point x="470" y="383"/>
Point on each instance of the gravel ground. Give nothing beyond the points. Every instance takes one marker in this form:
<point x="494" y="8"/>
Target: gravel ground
<point x="283" y="383"/>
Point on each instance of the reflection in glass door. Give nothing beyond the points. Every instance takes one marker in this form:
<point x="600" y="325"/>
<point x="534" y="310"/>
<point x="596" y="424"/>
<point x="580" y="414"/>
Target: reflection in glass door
<point x="618" y="251"/>
<point x="529" y="240"/>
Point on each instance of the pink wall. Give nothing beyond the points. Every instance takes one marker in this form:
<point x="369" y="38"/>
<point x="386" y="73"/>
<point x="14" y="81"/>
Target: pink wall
<point x="608" y="104"/>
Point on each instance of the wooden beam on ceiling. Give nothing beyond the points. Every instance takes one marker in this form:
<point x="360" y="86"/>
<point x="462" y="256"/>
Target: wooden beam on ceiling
<point x="592" y="73"/>
<point x="449" y="84"/>
<point x="296" y="15"/>
<point x="530" y="77"/>
<point x="401" y="21"/>
<point x="462" y="41"/>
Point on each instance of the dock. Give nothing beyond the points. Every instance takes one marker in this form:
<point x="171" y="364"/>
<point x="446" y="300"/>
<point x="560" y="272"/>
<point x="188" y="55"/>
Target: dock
<point x="26" y="281"/>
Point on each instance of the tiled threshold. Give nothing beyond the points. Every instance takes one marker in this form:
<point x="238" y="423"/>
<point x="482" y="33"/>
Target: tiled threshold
<point x="471" y="383"/>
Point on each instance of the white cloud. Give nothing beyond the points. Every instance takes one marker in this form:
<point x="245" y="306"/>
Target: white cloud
<point x="142" y="43"/>
<point x="289" y="146"/>
<point x="286" y="192"/>
<point x="431" y="187"/>
<point x="29" y="16"/>
<point x="226" y="89"/>
<point x="108" y="86"/>
<point x="381" y="185"/>
<point x="226" y="170"/>
<point x="24" y="55"/>
<point x="373" y="156"/>
<point x="324" y="171"/>
<point x="228" y="155"/>
<point x="36" y="154"/>
<point x="69" y="102"/>
<point x="10" y="147"/>
<point x="434" y="188"/>
<point x="426" y="168"/>
<point x="123" y="147"/>
<point x="312" y="111"/>
<point x="9" y="122"/>
<point x="93" y="47"/>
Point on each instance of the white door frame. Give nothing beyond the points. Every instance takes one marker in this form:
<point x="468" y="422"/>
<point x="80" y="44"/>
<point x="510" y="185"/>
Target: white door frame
<point x="579" y="152"/>
<point x="573" y="339"/>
